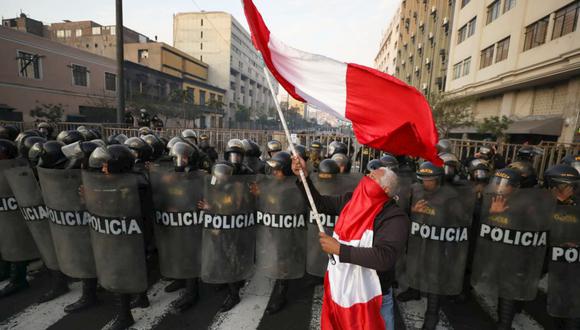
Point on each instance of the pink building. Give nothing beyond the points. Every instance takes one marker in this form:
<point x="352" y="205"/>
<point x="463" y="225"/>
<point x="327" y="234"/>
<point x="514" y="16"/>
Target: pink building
<point x="36" y="71"/>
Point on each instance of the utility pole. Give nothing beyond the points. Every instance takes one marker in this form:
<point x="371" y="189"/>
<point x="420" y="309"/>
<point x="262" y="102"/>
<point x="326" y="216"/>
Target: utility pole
<point x="120" y="64"/>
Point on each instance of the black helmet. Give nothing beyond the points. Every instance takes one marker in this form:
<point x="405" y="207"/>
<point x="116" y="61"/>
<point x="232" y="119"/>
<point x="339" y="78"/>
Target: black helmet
<point x="173" y="141"/>
<point x="281" y="161"/>
<point x="451" y="165"/>
<point x="89" y="134"/>
<point x="527" y="173"/>
<point x="79" y="152"/>
<point x="21" y="136"/>
<point x="505" y="177"/>
<point x="374" y="164"/>
<point x="485" y="152"/>
<point x="51" y="155"/>
<point x="336" y="147"/>
<point x="155" y="144"/>
<point x="561" y="174"/>
<point x="9" y="132"/>
<point x="183" y="155"/>
<point x="316" y="145"/>
<point x="68" y="137"/>
<point x="273" y="146"/>
<point x="189" y="136"/>
<point x="8" y="149"/>
<point x="428" y="170"/>
<point x="573" y="161"/>
<point x="479" y="170"/>
<point x="221" y="171"/>
<point x="234" y="152"/>
<point x="34" y="153"/>
<point x="444" y="146"/>
<point x="140" y="149"/>
<point x="145" y="131"/>
<point x="45" y="129"/>
<point x="117" y="139"/>
<point x="27" y="143"/>
<point x="204" y="141"/>
<point x="251" y="148"/>
<point x="342" y="161"/>
<point x="390" y="162"/>
<point x="301" y="150"/>
<point x="527" y="153"/>
<point x="121" y="159"/>
<point x="328" y="169"/>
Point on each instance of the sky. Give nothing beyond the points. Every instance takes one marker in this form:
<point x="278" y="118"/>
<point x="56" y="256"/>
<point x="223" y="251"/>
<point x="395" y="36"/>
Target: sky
<point x="346" y="30"/>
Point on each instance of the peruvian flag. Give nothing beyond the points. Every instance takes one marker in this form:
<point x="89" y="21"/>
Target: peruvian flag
<point x="386" y="113"/>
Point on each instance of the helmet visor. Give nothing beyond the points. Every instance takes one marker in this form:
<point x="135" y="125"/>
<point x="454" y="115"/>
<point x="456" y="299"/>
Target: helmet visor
<point x="99" y="157"/>
<point x="72" y="150"/>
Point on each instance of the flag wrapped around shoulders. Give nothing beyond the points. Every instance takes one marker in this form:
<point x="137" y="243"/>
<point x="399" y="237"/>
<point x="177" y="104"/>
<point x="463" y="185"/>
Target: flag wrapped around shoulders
<point x="386" y="113"/>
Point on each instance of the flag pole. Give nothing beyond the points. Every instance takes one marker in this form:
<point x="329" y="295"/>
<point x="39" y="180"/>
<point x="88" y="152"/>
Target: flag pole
<point x="293" y="150"/>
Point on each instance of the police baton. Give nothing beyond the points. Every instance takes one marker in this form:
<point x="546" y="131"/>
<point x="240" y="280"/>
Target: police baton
<point x="293" y="150"/>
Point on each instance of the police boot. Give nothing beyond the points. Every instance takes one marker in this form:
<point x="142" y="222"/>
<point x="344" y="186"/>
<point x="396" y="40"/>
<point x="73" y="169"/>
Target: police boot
<point x="432" y="312"/>
<point x="4" y="270"/>
<point x="410" y="294"/>
<point x="140" y="301"/>
<point x="175" y="285"/>
<point x="506" y="311"/>
<point x="58" y="287"/>
<point x="278" y="299"/>
<point x="18" y="280"/>
<point x="232" y="299"/>
<point x="88" y="297"/>
<point x="123" y="318"/>
<point x="189" y="298"/>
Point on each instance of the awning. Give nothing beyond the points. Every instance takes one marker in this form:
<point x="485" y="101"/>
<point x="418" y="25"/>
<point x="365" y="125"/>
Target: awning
<point x="546" y="126"/>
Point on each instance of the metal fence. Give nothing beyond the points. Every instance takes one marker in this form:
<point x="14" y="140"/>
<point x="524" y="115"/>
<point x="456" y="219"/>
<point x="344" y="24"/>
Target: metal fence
<point x="552" y="152"/>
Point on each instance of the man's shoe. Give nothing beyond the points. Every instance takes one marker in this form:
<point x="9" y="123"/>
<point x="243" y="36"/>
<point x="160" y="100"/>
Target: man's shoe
<point x="230" y="302"/>
<point x="430" y="322"/>
<point x="189" y="298"/>
<point x="278" y="299"/>
<point x="140" y="301"/>
<point x="12" y="288"/>
<point x="175" y="285"/>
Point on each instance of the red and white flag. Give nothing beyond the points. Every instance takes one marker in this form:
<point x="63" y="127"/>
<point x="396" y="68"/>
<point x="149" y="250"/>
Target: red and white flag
<point x="386" y="113"/>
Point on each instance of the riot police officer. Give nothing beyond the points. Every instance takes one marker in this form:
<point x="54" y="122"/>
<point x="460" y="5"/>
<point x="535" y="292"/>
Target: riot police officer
<point x="46" y="130"/>
<point x="336" y="147"/>
<point x="209" y="150"/>
<point x="573" y="161"/>
<point x="9" y="132"/>
<point x="444" y="146"/>
<point x="389" y="161"/>
<point x="156" y="145"/>
<point x="116" y="139"/>
<point x="343" y="162"/>
<point x="314" y="156"/>
<point x="71" y="136"/>
<point x="272" y="147"/>
<point x="234" y="154"/>
<point x="527" y="173"/>
<point x="252" y="157"/>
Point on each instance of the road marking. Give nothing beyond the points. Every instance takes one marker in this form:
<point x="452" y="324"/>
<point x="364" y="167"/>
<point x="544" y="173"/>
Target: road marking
<point x="413" y="314"/>
<point x="161" y="301"/>
<point x="42" y="316"/>
<point x="248" y="313"/>
<point x="522" y="321"/>
<point x="316" y="307"/>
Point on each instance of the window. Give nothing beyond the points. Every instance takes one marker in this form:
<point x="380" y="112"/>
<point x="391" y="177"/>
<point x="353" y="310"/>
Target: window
<point x="566" y="20"/>
<point x="462" y="34"/>
<point x="493" y="11"/>
<point x="508" y="4"/>
<point x="457" y="70"/>
<point x="201" y="34"/>
<point x="67" y="33"/>
<point x="80" y="75"/>
<point x="201" y="45"/>
<point x="502" y="50"/>
<point x="202" y="22"/>
<point x="28" y="65"/>
<point x="201" y="58"/>
<point x="466" y="65"/>
<point x="471" y="27"/>
<point x="535" y="34"/>
<point x="202" y="97"/>
<point x="486" y="57"/>
<point x="96" y="30"/>
<point x="189" y="96"/>
<point x="110" y="81"/>
<point x="142" y="54"/>
<point x="79" y="33"/>
<point x="60" y="33"/>
<point x="464" y="3"/>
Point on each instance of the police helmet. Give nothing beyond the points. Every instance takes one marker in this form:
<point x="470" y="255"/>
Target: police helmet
<point x="9" y="132"/>
<point x="45" y="129"/>
<point x="429" y="171"/>
<point x="444" y="146"/>
<point x="328" y="169"/>
<point x="390" y="162"/>
<point x="561" y="174"/>
<point x="121" y="159"/>
<point x="301" y="151"/>
<point x="71" y="136"/>
<point x="479" y="170"/>
<point x="51" y="155"/>
<point x="34" y="153"/>
<point x="221" y="171"/>
<point x="23" y="135"/>
<point x="342" y="161"/>
<point x="189" y="136"/>
<point x="145" y="131"/>
<point x="336" y="147"/>
<point x="234" y="152"/>
<point x="273" y="146"/>
<point x="451" y="165"/>
<point x="251" y="148"/>
<point x="155" y="144"/>
<point x="374" y="164"/>
<point x="117" y="139"/>
<point x="505" y="177"/>
<point x="8" y="149"/>
<point x="183" y="155"/>
<point x="527" y="153"/>
<point x="204" y="140"/>
<point x="27" y="143"/>
<point x="281" y="161"/>
<point x="485" y="152"/>
<point x="316" y="145"/>
<point x="573" y="161"/>
<point x="527" y="172"/>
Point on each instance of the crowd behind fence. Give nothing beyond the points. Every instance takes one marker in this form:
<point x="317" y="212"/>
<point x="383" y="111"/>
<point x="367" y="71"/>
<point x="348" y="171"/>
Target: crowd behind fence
<point x="552" y="153"/>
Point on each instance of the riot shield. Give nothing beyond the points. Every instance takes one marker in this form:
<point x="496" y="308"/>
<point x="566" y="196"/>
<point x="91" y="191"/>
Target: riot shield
<point x="511" y="245"/>
<point x="116" y="231"/>
<point x="316" y="259"/>
<point x="69" y="223"/>
<point x="16" y="242"/>
<point x="229" y="236"/>
<point x="178" y="225"/>
<point x="281" y="231"/>
<point x="29" y="197"/>
<point x="564" y="262"/>
<point x="438" y="241"/>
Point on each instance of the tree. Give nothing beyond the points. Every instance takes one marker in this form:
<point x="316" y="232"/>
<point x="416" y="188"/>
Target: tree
<point x="215" y="104"/>
<point x="47" y="112"/>
<point x="242" y="113"/>
<point x="495" y="126"/>
<point x="450" y="113"/>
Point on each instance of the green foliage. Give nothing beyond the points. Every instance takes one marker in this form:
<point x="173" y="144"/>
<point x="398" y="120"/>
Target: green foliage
<point x="495" y="126"/>
<point x="242" y="113"/>
<point x="48" y="112"/>
<point x="450" y="113"/>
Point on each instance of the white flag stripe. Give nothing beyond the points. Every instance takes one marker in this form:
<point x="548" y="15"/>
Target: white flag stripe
<point x="248" y="313"/>
<point x="316" y="307"/>
<point x="522" y="321"/>
<point x="148" y="318"/>
<point x="42" y="316"/>
<point x="320" y="80"/>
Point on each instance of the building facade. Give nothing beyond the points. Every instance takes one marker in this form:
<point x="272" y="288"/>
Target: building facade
<point x="217" y="39"/>
<point x="35" y="71"/>
<point x="521" y="59"/>
<point x="25" y="24"/>
<point x="418" y="40"/>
